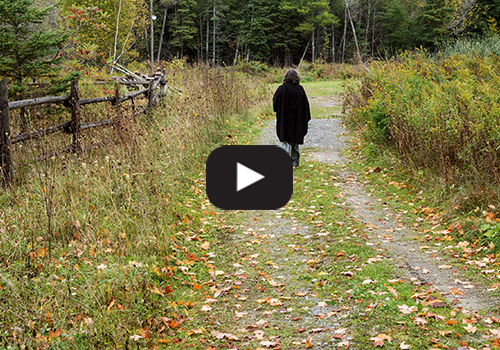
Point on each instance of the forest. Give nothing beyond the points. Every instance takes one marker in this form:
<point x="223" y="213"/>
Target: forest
<point x="223" y="32"/>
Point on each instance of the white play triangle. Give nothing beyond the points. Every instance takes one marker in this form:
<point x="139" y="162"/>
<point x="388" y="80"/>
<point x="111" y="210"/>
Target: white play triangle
<point x="246" y="176"/>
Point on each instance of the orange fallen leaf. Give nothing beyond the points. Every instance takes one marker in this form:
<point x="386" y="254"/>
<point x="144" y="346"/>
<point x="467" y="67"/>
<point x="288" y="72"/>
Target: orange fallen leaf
<point x="54" y="334"/>
<point x="172" y="324"/>
<point x="456" y="291"/>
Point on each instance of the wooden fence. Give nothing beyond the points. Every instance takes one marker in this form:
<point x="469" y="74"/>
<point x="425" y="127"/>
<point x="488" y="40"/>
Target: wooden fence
<point x="73" y="126"/>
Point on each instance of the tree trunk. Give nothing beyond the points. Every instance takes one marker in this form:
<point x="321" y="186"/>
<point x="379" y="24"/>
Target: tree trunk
<point x="152" y="38"/>
<point x="373" y="32"/>
<point x="208" y="33"/>
<point x="213" y="47"/>
<point x="305" y="51"/>
<point x="353" y="32"/>
<point x="333" y="43"/>
<point x="367" y="23"/>
<point x="344" y="35"/>
<point x="313" y="47"/>
<point x="116" y="33"/>
<point x="162" y="32"/>
<point x="235" y="60"/>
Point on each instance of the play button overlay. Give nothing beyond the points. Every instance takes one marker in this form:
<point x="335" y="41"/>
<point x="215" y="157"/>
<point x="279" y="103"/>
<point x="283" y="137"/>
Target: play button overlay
<point x="249" y="177"/>
<point x="246" y="177"/>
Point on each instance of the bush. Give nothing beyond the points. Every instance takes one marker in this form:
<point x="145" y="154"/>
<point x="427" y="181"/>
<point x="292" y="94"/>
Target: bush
<point x="439" y="113"/>
<point x="467" y="46"/>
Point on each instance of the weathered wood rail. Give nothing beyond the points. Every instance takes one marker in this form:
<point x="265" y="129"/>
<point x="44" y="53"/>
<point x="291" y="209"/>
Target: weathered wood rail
<point x="73" y="126"/>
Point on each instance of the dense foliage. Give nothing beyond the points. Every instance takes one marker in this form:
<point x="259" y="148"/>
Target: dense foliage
<point x="439" y="113"/>
<point x="282" y="32"/>
<point x="23" y="52"/>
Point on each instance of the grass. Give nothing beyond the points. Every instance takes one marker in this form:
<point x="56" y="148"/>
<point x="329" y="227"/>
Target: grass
<point x="106" y="249"/>
<point x="373" y="306"/>
<point x="134" y="248"/>
<point x="468" y="46"/>
<point x="321" y="91"/>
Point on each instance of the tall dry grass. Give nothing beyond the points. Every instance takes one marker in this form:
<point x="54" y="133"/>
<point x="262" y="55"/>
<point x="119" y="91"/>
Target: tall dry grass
<point x="85" y="239"/>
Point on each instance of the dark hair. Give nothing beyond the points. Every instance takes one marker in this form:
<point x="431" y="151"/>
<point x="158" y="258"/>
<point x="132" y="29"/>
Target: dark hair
<point x="292" y="77"/>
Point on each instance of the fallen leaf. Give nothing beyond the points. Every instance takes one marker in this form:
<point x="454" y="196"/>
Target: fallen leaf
<point x="471" y="329"/>
<point x="347" y="273"/>
<point x="405" y="309"/>
<point x="434" y="303"/>
<point x="420" y="321"/>
<point x="456" y="291"/>
<point x="259" y="334"/>
<point x="317" y="330"/>
<point x="274" y="302"/>
<point x="206" y="308"/>
<point x="195" y="331"/>
<point x="220" y="335"/>
<point x="269" y="344"/>
<point x="393" y="291"/>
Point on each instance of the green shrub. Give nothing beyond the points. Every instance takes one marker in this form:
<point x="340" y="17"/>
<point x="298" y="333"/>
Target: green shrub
<point x="439" y="113"/>
<point x="468" y="46"/>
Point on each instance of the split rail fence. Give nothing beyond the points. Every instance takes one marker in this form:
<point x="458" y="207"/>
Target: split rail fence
<point x="73" y="126"/>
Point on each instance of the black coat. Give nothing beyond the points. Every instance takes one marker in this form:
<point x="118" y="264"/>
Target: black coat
<point x="292" y="113"/>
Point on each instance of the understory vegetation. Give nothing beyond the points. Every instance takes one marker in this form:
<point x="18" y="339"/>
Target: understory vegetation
<point x="437" y="117"/>
<point x="89" y="244"/>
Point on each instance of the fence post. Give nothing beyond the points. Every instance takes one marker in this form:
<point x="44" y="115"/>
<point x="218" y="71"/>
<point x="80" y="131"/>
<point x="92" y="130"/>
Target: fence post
<point x="163" y="84"/>
<point x="5" y="149"/>
<point x="150" y="94"/>
<point x="117" y="101"/>
<point x="75" y="115"/>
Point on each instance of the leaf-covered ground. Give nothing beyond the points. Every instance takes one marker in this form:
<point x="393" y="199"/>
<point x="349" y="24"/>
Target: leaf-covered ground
<point x="355" y="260"/>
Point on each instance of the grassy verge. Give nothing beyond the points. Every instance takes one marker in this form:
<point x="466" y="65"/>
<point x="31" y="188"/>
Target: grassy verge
<point x="415" y="111"/>
<point x="108" y="249"/>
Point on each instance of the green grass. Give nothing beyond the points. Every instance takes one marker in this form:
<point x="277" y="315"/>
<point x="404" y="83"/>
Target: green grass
<point x="373" y="307"/>
<point x="319" y="94"/>
<point x="324" y="88"/>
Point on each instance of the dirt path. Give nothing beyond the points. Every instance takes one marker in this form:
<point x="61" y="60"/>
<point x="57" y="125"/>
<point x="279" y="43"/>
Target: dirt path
<point x="266" y="296"/>
<point x="386" y="228"/>
<point x="325" y="143"/>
